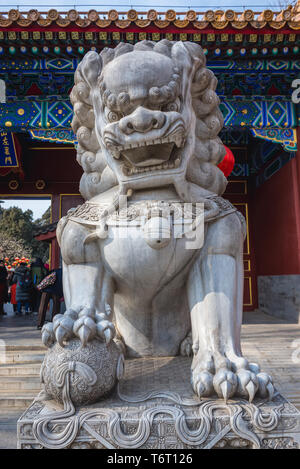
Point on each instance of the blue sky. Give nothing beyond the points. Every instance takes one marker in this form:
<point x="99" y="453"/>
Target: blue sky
<point x="38" y="207"/>
<point x="179" y="5"/>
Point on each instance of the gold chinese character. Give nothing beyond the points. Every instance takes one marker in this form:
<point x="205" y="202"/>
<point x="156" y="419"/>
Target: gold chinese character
<point x="8" y="160"/>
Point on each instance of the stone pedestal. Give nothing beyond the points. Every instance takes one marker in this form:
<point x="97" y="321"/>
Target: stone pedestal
<point x="154" y="407"/>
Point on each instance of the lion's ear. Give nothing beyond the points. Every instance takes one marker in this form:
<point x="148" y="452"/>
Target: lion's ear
<point x="196" y="53"/>
<point x="90" y="68"/>
<point x="180" y="57"/>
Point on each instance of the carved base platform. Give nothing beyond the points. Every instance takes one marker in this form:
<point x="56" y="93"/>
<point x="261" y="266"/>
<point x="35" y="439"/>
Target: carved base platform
<point x="154" y="407"/>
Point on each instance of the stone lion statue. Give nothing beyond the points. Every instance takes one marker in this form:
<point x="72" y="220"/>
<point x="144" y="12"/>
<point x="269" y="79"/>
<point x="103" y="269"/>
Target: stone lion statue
<point x="147" y="120"/>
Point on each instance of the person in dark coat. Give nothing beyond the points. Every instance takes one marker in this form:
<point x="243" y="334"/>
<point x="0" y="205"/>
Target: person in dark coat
<point x="38" y="272"/>
<point x="3" y="286"/>
<point x="22" y="278"/>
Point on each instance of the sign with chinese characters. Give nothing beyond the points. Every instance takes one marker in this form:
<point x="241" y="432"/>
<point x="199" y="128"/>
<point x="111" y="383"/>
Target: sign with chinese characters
<point x="8" y="153"/>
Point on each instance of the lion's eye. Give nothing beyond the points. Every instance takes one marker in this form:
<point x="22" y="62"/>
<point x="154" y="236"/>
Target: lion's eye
<point x="173" y="106"/>
<point x="113" y="116"/>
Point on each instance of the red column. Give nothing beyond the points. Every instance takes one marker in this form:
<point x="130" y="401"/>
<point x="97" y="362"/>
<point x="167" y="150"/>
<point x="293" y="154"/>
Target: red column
<point x="55" y="254"/>
<point x="276" y="219"/>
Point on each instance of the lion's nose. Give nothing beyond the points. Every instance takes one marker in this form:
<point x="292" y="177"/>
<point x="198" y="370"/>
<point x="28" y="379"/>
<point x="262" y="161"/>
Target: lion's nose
<point x="142" y="120"/>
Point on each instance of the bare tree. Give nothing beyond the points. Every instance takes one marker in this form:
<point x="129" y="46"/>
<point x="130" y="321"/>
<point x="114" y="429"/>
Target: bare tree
<point x="11" y="248"/>
<point x="282" y="4"/>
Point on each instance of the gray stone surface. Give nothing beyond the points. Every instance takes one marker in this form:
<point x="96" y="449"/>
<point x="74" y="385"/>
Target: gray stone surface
<point x="154" y="407"/>
<point x="279" y="295"/>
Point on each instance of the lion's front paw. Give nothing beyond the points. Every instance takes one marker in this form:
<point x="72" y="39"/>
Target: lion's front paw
<point x="230" y="378"/>
<point x="85" y="323"/>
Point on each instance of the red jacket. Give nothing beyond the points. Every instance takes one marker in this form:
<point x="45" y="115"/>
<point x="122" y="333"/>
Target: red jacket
<point x="13" y="299"/>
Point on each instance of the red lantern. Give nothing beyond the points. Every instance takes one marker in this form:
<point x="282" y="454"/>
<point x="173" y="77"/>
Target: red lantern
<point x="227" y="164"/>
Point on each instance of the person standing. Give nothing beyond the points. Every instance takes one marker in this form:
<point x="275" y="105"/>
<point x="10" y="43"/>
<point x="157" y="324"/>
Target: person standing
<point x="12" y="290"/>
<point x="22" y="278"/>
<point x="3" y="287"/>
<point x="38" y="272"/>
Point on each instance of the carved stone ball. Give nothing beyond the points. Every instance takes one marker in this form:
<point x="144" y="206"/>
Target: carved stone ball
<point x="81" y="374"/>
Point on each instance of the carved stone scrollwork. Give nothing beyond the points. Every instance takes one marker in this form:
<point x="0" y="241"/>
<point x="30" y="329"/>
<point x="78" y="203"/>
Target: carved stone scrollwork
<point x="233" y="429"/>
<point x="158" y="418"/>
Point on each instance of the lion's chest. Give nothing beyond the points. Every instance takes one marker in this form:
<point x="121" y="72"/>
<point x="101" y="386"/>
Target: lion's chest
<point x="135" y="264"/>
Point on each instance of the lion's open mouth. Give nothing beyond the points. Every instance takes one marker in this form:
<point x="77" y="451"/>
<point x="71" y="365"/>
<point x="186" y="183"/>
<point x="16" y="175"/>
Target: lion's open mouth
<point x="149" y="155"/>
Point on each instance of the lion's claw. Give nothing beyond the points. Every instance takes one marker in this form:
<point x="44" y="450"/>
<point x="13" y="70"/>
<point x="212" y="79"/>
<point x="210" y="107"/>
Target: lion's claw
<point x="232" y="378"/>
<point x="48" y="337"/>
<point x="265" y="385"/>
<point x="225" y="383"/>
<point x="247" y="384"/>
<point x="86" y="324"/>
<point x="85" y="329"/>
<point x="62" y="328"/>
<point x="105" y="330"/>
<point x="202" y="383"/>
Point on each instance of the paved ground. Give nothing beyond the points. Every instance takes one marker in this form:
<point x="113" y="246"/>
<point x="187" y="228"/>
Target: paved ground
<point x="267" y="340"/>
<point x="275" y="345"/>
<point x="20" y="330"/>
<point x="17" y="332"/>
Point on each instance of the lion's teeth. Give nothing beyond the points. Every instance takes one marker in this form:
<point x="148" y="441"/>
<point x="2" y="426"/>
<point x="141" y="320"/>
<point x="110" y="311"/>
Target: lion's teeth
<point x="177" y="162"/>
